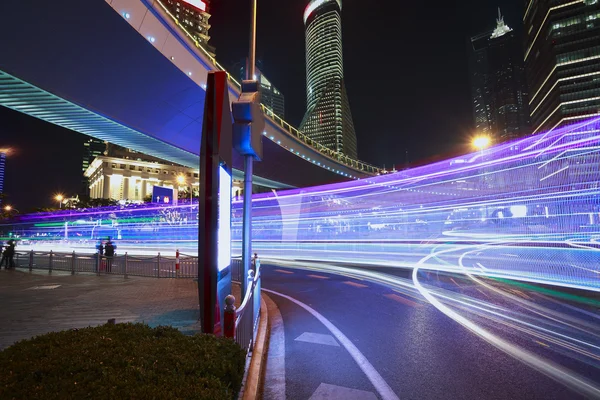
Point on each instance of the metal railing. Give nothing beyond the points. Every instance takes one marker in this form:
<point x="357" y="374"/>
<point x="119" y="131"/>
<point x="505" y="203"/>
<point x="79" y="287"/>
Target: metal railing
<point x="280" y="122"/>
<point x="158" y="266"/>
<point x="248" y="314"/>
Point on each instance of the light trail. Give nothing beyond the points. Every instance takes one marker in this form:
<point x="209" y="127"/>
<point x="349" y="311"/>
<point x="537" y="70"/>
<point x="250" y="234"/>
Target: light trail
<point x="508" y="195"/>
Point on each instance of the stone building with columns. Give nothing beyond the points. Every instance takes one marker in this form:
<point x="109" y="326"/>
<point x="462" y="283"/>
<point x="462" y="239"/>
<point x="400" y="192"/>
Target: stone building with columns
<point x="130" y="179"/>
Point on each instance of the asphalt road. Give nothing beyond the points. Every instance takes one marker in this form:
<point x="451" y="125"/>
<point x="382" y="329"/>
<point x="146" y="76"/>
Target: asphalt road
<point x="486" y="339"/>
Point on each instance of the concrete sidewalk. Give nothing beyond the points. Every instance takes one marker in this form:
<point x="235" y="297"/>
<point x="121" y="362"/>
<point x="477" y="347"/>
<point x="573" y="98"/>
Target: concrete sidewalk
<point x="36" y="303"/>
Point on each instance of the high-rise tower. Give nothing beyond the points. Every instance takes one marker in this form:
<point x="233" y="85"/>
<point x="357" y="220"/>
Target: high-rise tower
<point x="328" y="119"/>
<point x="498" y="88"/>
<point x="562" y="60"/>
<point x="193" y="15"/>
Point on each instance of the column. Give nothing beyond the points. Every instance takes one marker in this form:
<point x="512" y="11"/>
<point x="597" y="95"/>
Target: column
<point x="143" y="184"/>
<point x="126" y="188"/>
<point x="106" y="187"/>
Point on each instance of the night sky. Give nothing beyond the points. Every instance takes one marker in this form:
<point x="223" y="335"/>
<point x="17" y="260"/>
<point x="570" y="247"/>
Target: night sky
<point x="406" y="72"/>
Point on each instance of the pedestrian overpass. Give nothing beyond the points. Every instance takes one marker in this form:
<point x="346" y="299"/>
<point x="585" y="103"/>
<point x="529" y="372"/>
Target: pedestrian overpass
<point x="125" y="71"/>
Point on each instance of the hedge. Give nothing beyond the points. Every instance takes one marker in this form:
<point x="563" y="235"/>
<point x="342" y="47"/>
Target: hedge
<point x="123" y="361"/>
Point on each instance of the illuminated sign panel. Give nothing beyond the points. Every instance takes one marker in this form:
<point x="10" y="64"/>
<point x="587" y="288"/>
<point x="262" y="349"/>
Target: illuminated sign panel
<point x="224" y="235"/>
<point x="196" y="3"/>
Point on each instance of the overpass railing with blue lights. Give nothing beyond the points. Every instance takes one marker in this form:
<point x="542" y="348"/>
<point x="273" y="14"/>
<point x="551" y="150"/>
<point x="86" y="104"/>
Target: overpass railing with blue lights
<point x="275" y="119"/>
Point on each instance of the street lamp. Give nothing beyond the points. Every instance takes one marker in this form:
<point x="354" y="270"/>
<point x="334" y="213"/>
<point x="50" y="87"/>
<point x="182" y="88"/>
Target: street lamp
<point x="59" y="198"/>
<point x="182" y="181"/>
<point x="481" y="142"/>
<point x="9" y="208"/>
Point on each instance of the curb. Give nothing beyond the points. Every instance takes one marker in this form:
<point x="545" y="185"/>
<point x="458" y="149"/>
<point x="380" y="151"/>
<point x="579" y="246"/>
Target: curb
<point x="253" y="384"/>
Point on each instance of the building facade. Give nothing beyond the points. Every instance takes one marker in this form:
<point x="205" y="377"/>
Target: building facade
<point x="123" y="174"/>
<point x="2" y="168"/>
<point x="328" y="118"/>
<point x="193" y="15"/>
<point x="270" y="96"/>
<point x="92" y="148"/>
<point x="562" y="60"/>
<point x="498" y="87"/>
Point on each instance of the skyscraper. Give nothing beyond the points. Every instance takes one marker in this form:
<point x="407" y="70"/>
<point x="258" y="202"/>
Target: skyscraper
<point x="193" y="15"/>
<point x="269" y="95"/>
<point x="2" y="166"/>
<point x="562" y="60"/>
<point x="498" y="88"/>
<point x="92" y="148"/>
<point x="328" y="119"/>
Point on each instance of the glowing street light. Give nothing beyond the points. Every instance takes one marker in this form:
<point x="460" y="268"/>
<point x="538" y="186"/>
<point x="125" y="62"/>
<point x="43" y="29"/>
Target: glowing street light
<point x="182" y="181"/>
<point x="9" y="208"/>
<point x="481" y="142"/>
<point x="59" y="198"/>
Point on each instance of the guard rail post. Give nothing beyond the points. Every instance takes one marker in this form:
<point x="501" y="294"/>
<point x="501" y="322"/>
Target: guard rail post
<point x="50" y="262"/>
<point x="98" y="263"/>
<point x="73" y="263"/>
<point x="229" y="317"/>
<point x="30" y="260"/>
<point x="158" y="266"/>
<point x="125" y="266"/>
<point x="177" y="263"/>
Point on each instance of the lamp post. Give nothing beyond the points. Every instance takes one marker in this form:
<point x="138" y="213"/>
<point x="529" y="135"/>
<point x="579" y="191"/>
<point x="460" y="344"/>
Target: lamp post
<point x="182" y="181"/>
<point x="59" y="198"/>
<point x="9" y="208"/>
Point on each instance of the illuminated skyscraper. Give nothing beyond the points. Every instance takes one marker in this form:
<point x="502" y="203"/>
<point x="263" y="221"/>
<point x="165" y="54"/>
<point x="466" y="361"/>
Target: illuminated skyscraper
<point x="562" y="60"/>
<point x="2" y="166"/>
<point x="328" y="119"/>
<point x="193" y="16"/>
<point x="270" y="96"/>
<point x="498" y="88"/>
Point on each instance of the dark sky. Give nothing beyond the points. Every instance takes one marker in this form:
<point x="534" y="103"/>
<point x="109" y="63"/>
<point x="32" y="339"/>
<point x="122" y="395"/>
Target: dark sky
<point x="406" y="73"/>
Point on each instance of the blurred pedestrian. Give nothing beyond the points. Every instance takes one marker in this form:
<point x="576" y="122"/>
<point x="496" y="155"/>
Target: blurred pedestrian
<point x="109" y="250"/>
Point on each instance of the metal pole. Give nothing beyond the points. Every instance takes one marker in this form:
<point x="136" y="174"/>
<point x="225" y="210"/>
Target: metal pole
<point x="247" y="221"/>
<point x="250" y="71"/>
<point x="248" y="160"/>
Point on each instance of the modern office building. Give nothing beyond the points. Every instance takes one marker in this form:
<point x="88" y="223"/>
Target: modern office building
<point x="270" y="96"/>
<point x="193" y="15"/>
<point x="498" y="87"/>
<point x="92" y="148"/>
<point x="328" y="119"/>
<point x="562" y="60"/>
<point x="2" y="168"/>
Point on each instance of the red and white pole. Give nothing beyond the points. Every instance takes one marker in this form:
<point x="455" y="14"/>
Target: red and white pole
<point x="229" y="317"/>
<point x="177" y="262"/>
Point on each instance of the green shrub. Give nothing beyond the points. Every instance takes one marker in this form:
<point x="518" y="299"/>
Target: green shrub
<point x="123" y="361"/>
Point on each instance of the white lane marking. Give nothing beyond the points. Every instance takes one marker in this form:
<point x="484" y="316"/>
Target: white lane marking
<point x="317" y="338"/>
<point x="275" y="374"/>
<point x="384" y="390"/>
<point x="333" y="392"/>
<point x="47" y="287"/>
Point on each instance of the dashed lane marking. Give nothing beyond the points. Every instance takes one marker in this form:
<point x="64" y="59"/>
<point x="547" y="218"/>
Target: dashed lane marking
<point x="358" y="285"/>
<point x="401" y="299"/>
<point x="333" y="392"/>
<point x="317" y="338"/>
<point x="318" y="276"/>
<point x="283" y="271"/>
